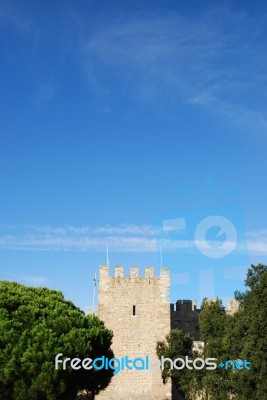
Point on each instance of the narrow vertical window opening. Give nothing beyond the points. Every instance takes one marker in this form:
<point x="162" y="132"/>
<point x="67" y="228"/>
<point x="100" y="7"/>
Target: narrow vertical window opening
<point x="133" y="310"/>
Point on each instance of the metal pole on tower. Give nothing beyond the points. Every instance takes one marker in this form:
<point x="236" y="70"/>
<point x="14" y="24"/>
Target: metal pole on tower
<point x="107" y="257"/>
<point x="94" y="294"/>
<point x="160" y="250"/>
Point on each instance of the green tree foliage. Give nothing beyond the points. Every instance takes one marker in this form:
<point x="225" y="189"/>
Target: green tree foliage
<point x="212" y="326"/>
<point x="251" y="326"/>
<point x="215" y="384"/>
<point x="241" y="336"/>
<point x="226" y="337"/>
<point x="35" y="325"/>
<point x="178" y="344"/>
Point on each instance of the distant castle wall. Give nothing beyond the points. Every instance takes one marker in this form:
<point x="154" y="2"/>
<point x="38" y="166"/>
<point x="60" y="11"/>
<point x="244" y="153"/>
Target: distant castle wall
<point x="185" y="316"/>
<point x="232" y="307"/>
<point x="137" y="310"/>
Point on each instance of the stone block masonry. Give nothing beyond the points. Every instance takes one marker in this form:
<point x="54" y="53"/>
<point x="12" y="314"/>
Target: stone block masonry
<point x="185" y="316"/>
<point x="137" y="310"/>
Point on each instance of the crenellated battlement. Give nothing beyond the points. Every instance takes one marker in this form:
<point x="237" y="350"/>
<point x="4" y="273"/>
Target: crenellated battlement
<point x="186" y="305"/>
<point x="119" y="272"/>
<point x="134" y="273"/>
<point x="185" y="316"/>
<point x="232" y="307"/>
<point x="133" y="282"/>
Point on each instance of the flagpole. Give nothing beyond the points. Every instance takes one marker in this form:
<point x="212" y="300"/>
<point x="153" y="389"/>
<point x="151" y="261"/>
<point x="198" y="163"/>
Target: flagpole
<point x="94" y="295"/>
<point x="107" y="257"/>
<point x="160" y="250"/>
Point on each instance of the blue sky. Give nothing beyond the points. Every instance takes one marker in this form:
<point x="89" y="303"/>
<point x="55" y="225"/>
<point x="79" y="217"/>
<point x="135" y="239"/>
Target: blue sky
<point x="118" y="116"/>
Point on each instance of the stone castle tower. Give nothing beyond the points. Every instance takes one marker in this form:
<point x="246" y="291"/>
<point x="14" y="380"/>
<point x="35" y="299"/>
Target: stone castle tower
<point x="137" y="310"/>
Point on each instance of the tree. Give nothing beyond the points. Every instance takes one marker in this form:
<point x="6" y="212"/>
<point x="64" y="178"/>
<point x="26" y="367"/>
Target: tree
<point x="215" y="384"/>
<point x="241" y="336"/>
<point x="35" y="325"/>
<point x="252" y="324"/>
<point x="212" y="325"/>
<point x="177" y="344"/>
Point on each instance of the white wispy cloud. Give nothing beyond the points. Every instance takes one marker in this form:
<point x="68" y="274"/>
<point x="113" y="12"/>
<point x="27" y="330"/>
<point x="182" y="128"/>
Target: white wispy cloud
<point x="257" y="242"/>
<point x="121" y="238"/>
<point x="217" y="60"/>
<point x="12" y="13"/>
<point x="128" y="237"/>
<point x="45" y="92"/>
<point x="28" y="280"/>
<point x="34" y="280"/>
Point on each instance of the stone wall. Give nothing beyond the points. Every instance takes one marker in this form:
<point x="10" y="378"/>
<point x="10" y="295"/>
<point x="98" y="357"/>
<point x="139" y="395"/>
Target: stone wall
<point x="185" y="316"/>
<point x="137" y="310"/>
<point x="232" y="307"/>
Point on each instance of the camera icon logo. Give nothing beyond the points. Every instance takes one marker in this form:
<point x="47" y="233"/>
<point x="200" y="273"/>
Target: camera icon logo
<point x="214" y="236"/>
<point x="215" y="248"/>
